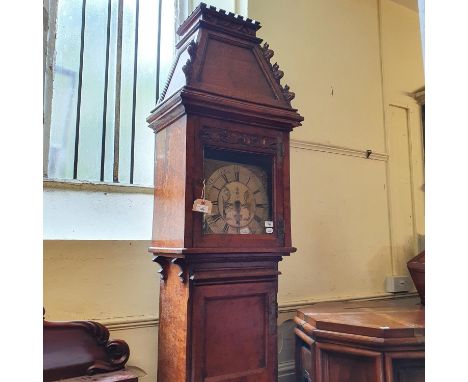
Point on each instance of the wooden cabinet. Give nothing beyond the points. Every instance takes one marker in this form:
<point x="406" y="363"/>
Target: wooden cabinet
<point x="372" y="341"/>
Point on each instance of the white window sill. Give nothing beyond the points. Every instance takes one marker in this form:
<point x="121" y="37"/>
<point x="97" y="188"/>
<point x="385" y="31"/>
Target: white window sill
<point x="82" y="185"/>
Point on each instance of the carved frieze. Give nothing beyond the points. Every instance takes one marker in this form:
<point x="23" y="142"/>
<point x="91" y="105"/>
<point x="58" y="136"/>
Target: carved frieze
<point x="216" y="136"/>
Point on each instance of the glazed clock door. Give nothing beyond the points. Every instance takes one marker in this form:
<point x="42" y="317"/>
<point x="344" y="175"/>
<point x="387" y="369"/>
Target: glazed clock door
<point x="244" y="183"/>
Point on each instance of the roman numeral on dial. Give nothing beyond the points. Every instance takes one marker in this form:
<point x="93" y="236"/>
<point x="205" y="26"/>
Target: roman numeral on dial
<point x="225" y="178"/>
<point x="215" y="218"/>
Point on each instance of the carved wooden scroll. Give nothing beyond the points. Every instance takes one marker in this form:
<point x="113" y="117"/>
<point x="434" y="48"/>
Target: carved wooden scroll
<point x="78" y="348"/>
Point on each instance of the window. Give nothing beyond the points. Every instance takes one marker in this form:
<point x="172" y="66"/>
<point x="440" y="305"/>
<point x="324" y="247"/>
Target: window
<point x="112" y="58"/>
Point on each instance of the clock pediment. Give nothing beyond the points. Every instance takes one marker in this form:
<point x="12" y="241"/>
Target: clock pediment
<point x="220" y="54"/>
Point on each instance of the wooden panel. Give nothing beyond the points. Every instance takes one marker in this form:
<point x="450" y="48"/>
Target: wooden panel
<point x="234" y="331"/>
<point x="337" y="363"/>
<point x="233" y="323"/>
<point x="307" y="363"/>
<point x="244" y="71"/>
<point x="169" y="186"/>
<point x="405" y="366"/>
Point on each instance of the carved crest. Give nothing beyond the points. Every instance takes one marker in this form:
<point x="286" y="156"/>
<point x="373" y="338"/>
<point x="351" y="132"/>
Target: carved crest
<point x="188" y="67"/>
<point x="267" y="53"/>
<point x="288" y="96"/>
<point x="277" y="73"/>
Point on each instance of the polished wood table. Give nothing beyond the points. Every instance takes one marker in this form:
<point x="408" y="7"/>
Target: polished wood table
<point x="361" y="341"/>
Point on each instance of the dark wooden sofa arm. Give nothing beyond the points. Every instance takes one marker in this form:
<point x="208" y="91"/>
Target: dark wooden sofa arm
<point x="78" y="348"/>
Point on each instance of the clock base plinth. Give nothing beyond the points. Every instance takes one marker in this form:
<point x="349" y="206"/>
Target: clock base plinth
<point x="218" y="317"/>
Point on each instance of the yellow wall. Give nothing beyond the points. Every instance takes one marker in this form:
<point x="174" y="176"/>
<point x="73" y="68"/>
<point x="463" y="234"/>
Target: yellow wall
<point x="351" y="64"/>
<point x="112" y="282"/>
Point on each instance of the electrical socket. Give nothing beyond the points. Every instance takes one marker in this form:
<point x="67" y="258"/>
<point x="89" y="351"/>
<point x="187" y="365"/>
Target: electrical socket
<point x="395" y="284"/>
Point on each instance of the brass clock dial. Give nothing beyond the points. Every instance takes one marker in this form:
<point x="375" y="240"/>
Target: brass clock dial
<point x="240" y="200"/>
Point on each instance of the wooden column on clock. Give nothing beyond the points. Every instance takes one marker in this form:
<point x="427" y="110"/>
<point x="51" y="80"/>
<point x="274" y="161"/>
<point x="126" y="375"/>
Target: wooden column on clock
<point x="223" y="121"/>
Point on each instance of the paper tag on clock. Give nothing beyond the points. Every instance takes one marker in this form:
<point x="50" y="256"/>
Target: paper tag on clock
<point x="269" y="230"/>
<point x="268" y="224"/>
<point x="202" y="205"/>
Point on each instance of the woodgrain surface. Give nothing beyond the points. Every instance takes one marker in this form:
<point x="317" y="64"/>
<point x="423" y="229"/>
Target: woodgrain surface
<point x="361" y="341"/>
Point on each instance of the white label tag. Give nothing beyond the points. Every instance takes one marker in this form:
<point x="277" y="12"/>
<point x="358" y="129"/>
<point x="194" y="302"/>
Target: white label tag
<point x="244" y="230"/>
<point x="269" y="230"/>
<point x="202" y="205"/>
<point x="268" y="224"/>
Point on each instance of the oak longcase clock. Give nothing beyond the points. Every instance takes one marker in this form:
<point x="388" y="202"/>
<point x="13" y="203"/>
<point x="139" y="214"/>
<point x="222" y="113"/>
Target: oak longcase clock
<point x="222" y="130"/>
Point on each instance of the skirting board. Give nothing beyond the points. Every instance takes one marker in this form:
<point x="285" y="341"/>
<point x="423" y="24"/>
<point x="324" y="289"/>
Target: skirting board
<point x="286" y="371"/>
<point x="119" y="323"/>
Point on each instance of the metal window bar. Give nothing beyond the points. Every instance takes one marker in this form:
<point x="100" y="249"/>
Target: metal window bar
<point x="118" y="79"/>
<point x="118" y="83"/>
<point x="106" y="85"/>
<point x="135" y="74"/>
<point x="158" y="50"/>
<point x="80" y="83"/>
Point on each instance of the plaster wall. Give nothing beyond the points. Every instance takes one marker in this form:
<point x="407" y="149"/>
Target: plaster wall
<point x="352" y="65"/>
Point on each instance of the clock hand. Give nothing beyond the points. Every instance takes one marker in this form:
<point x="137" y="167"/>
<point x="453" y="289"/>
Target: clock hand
<point x="237" y="206"/>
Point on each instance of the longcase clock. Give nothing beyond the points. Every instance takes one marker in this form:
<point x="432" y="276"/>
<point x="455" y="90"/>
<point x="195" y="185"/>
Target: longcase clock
<point x="222" y="130"/>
